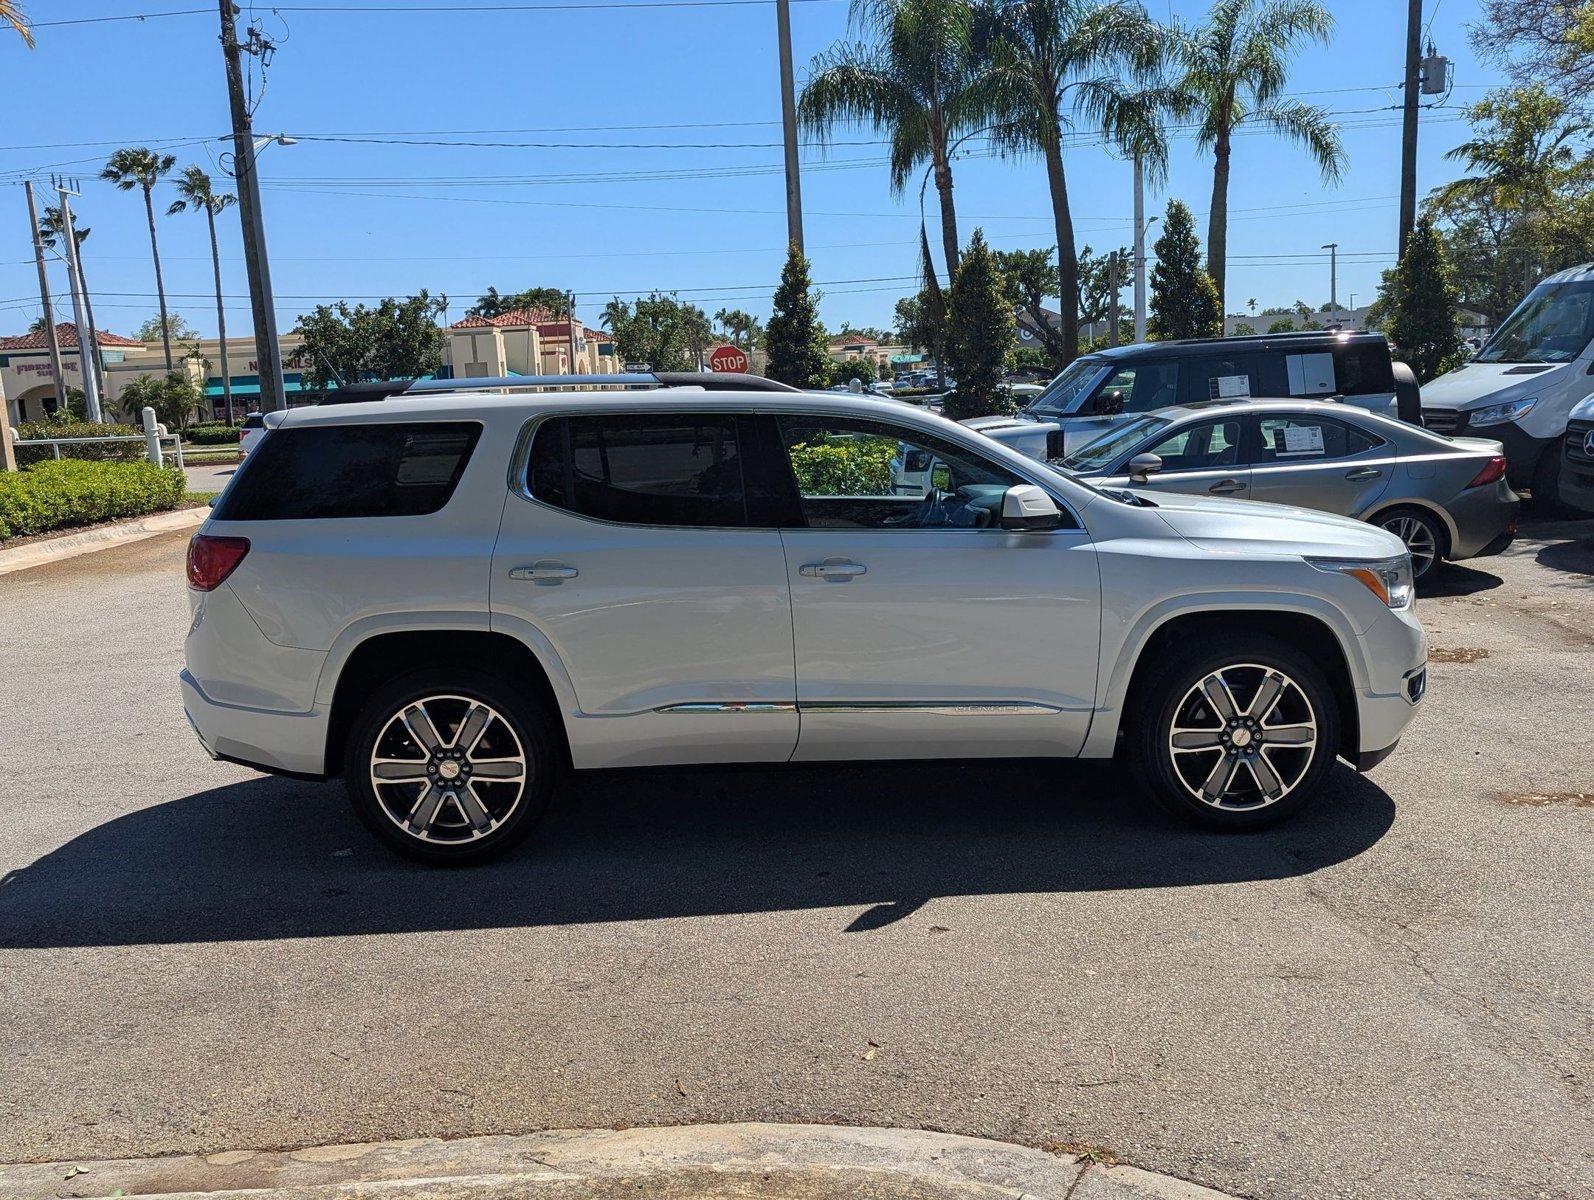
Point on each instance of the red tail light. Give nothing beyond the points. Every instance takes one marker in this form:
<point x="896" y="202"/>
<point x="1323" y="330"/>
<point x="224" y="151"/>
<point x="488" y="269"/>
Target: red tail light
<point x="1493" y="471"/>
<point x="212" y="559"/>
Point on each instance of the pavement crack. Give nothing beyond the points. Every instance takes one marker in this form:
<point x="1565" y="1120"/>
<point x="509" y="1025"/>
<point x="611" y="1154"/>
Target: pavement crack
<point x="1078" y="1179"/>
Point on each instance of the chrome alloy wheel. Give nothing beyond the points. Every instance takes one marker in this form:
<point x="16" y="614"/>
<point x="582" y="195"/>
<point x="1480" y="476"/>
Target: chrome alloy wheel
<point x="1243" y="737"/>
<point x="1419" y="541"/>
<point x="448" y="769"/>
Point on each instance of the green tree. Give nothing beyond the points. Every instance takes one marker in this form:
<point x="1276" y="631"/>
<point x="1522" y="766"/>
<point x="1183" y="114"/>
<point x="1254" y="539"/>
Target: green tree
<point x="1096" y="295"/>
<point x="173" y="396"/>
<point x="397" y="339"/>
<point x="492" y="304"/>
<point x="1419" y="297"/>
<point x="659" y="330"/>
<point x="916" y="84"/>
<point x="1055" y="63"/>
<point x="195" y="193"/>
<point x="175" y="328"/>
<point x="141" y="168"/>
<point x="1235" y="69"/>
<point x="844" y="371"/>
<point x="981" y="333"/>
<point x="1282" y="325"/>
<point x="1244" y="330"/>
<point x="740" y="328"/>
<point x="1030" y="278"/>
<point x="793" y="336"/>
<point x="1541" y="40"/>
<point x="1184" y="300"/>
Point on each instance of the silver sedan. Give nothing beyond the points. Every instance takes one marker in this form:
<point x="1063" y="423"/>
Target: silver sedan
<point x="1446" y="498"/>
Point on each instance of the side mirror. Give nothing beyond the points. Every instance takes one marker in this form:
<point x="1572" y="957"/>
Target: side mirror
<point x="1143" y="466"/>
<point x="1110" y="404"/>
<point x="1025" y="506"/>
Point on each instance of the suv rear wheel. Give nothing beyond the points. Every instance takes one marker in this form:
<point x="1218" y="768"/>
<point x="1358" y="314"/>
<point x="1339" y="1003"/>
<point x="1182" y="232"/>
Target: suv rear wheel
<point x="1234" y="735"/>
<point x="450" y="766"/>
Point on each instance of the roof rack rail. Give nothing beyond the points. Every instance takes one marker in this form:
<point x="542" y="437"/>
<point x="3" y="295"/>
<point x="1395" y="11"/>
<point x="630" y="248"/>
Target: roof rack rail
<point x="711" y="381"/>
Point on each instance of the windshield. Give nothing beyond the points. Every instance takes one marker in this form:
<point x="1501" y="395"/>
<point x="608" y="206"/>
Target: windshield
<point x="1552" y="325"/>
<point x="1079" y="376"/>
<point x="1099" y="454"/>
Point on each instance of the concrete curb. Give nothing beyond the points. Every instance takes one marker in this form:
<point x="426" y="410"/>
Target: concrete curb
<point x="692" y="1162"/>
<point x="102" y="537"/>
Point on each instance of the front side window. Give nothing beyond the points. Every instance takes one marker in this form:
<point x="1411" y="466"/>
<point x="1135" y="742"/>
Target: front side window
<point x="1097" y="455"/>
<point x="311" y="472"/>
<point x="868" y="475"/>
<point x="1079" y="376"/>
<point x="641" y="469"/>
<point x="1207" y="446"/>
<point x="1144" y="386"/>
<point x="1297" y="438"/>
<point x="1552" y="325"/>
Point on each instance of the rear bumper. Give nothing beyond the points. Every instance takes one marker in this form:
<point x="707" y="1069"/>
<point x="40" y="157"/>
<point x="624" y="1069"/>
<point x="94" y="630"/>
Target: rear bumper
<point x="1483" y="516"/>
<point x="1522" y="450"/>
<point x="281" y="743"/>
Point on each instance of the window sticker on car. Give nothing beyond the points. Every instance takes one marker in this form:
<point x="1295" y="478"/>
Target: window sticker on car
<point x="1303" y="439"/>
<point x="1230" y="386"/>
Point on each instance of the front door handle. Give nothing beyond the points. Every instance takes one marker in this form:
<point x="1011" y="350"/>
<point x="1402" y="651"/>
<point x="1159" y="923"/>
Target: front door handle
<point x="1225" y="486"/>
<point x="546" y="571"/>
<point x="1363" y="473"/>
<point x="832" y="568"/>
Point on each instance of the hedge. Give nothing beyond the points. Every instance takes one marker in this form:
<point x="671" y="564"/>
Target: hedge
<point x="211" y="433"/>
<point x="52" y="495"/>
<point x="845" y="466"/>
<point x="106" y="452"/>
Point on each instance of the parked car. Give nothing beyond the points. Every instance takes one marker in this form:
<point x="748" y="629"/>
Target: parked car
<point x="1446" y="498"/>
<point x="1577" y="458"/>
<point x="450" y="599"/>
<point x="250" y="432"/>
<point x="1098" y="390"/>
<point x="1522" y="386"/>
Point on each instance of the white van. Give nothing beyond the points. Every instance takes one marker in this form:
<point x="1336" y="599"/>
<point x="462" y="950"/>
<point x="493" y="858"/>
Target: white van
<point x="1522" y="386"/>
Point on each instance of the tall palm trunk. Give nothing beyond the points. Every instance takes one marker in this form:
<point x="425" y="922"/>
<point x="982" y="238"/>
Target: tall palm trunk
<point x="1218" y="218"/>
<point x="1067" y="255"/>
<point x="221" y="315"/>
<point x="160" y="284"/>
<point x="949" y="216"/>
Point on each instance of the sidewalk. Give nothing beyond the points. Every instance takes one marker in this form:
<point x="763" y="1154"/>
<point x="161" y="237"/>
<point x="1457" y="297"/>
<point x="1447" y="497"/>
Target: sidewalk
<point x="70" y="543"/>
<point x="701" y="1162"/>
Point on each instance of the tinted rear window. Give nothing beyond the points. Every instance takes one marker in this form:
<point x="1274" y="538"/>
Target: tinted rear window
<point x="669" y="469"/>
<point x="325" y="471"/>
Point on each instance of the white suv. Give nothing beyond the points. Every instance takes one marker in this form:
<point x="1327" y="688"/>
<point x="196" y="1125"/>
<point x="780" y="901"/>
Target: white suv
<point x="452" y="599"/>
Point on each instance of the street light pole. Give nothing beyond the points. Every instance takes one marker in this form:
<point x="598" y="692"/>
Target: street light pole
<point x="268" y="356"/>
<point x="87" y="345"/>
<point x="1140" y="250"/>
<point x="1333" y="274"/>
<point x="788" y="120"/>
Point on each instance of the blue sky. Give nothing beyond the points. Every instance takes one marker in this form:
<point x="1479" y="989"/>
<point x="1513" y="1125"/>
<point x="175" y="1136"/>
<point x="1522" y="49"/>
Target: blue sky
<point x="361" y="220"/>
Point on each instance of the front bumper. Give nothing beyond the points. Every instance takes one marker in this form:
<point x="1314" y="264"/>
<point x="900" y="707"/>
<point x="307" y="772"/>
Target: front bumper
<point x="1397" y="661"/>
<point x="281" y="743"/>
<point x="1577" y="467"/>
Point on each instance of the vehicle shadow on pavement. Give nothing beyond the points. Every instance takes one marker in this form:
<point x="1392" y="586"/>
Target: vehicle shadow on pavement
<point x="275" y="858"/>
<point x="1453" y="579"/>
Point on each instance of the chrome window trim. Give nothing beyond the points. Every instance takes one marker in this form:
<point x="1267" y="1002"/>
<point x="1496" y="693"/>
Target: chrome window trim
<point x="942" y="709"/>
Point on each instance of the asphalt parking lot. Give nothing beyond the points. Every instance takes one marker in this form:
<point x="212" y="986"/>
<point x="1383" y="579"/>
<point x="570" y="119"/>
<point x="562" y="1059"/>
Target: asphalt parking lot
<point x="1388" y="997"/>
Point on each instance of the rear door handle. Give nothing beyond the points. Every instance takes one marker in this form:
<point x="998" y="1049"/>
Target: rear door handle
<point x="832" y="568"/>
<point x="1224" y="486"/>
<point x="1363" y="473"/>
<point x="546" y="571"/>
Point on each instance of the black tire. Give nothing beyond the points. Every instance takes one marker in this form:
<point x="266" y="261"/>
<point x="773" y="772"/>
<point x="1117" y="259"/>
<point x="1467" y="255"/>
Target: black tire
<point x="1438" y="536"/>
<point x="1166" y="690"/>
<point x="1545" y="487"/>
<point x="516" y="727"/>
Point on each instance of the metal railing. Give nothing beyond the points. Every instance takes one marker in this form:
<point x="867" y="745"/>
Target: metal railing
<point x="55" y="444"/>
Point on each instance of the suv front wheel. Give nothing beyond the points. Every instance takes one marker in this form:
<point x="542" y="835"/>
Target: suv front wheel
<point x="1234" y="735"/>
<point x="449" y="766"/>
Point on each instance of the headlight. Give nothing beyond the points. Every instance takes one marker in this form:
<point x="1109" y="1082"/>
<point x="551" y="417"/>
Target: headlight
<point x="1390" y="579"/>
<point x="1499" y="414"/>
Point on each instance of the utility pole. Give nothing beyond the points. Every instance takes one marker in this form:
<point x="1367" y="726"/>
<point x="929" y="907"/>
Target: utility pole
<point x="788" y="120"/>
<point x="88" y="347"/>
<point x="570" y="324"/>
<point x="1408" y="123"/>
<point x="44" y="300"/>
<point x="268" y="355"/>
<point x="1333" y="274"/>
<point x="1140" y="250"/>
<point x="1112" y="299"/>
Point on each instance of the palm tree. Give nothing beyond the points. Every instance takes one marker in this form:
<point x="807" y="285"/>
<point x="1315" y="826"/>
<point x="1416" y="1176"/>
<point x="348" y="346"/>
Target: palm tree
<point x="1056" y="62"/>
<point x="918" y="85"/>
<point x="1234" y="71"/>
<point x="195" y="193"/>
<point x="741" y="327"/>
<point x="138" y="167"/>
<point x="52" y="228"/>
<point x="11" y="14"/>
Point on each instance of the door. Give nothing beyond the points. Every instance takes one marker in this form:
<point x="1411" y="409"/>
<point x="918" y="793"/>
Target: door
<point x="1319" y="462"/>
<point x="1202" y="458"/>
<point x="629" y="544"/>
<point x="922" y="629"/>
<point x="1139" y="387"/>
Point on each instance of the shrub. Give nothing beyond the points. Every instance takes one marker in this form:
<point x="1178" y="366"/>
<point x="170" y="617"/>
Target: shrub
<point x="55" y="428"/>
<point x="52" y="495"/>
<point x="212" y="433"/>
<point x="845" y="467"/>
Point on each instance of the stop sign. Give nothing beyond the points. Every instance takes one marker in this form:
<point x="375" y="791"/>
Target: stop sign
<point x="727" y="358"/>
